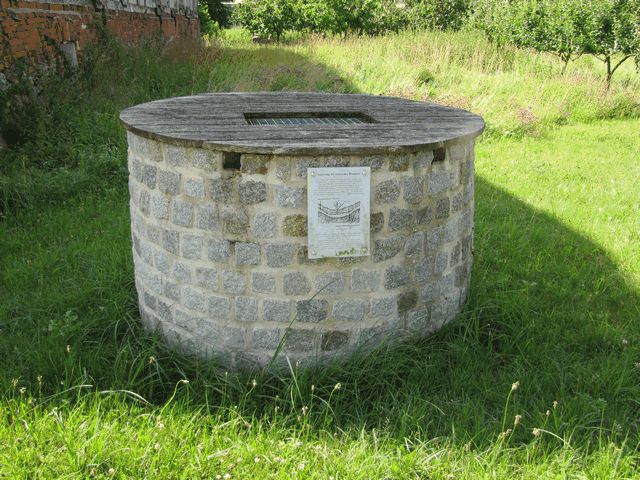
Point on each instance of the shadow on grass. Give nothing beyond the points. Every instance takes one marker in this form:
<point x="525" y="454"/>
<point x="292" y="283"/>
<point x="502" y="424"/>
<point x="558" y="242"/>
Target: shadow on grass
<point x="548" y="308"/>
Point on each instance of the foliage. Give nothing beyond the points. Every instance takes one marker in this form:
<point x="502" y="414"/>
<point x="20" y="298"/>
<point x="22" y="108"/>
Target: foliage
<point x="207" y="25"/>
<point x="272" y="18"/>
<point x="219" y="13"/>
<point x="607" y="29"/>
<point x="438" y="14"/>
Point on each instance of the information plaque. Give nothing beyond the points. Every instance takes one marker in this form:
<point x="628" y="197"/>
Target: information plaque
<point x="339" y="208"/>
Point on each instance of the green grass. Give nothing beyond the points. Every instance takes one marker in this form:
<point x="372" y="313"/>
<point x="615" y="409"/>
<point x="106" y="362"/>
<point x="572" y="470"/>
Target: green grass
<point x="554" y="303"/>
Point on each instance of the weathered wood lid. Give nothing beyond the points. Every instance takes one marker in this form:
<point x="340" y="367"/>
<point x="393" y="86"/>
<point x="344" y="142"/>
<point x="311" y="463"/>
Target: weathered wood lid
<point x="301" y="123"/>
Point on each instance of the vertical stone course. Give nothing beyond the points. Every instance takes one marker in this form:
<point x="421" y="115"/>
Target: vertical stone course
<point x="221" y="256"/>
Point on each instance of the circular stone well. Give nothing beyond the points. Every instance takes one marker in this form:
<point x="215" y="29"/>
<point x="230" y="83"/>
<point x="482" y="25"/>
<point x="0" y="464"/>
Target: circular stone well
<point x="218" y="186"/>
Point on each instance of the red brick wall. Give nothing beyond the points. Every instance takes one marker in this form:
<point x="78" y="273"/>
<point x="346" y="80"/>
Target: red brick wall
<point x="32" y="31"/>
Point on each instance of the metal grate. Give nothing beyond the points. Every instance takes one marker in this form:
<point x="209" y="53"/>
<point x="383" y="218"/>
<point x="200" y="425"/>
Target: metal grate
<point x="293" y="119"/>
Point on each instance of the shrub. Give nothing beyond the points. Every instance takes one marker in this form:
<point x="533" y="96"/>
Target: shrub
<point x="438" y="14"/>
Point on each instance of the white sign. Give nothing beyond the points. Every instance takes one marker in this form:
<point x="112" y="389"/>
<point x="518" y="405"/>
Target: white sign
<point x="339" y="209"/>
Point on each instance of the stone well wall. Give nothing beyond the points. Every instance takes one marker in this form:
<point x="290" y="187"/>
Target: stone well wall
<point x="221" y="261"/>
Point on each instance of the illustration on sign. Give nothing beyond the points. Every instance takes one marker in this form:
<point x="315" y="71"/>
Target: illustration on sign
<point x="338" y="211"/>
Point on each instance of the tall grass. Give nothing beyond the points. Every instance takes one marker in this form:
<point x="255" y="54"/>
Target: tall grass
<point x="554" y="302"/>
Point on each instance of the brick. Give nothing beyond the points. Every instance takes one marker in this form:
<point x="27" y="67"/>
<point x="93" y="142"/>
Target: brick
<point x="246" y="309"/>
<point x="296" y="283"/>
<point x="349" y="310"/>
<point x="311" y="311"/>
<point x="279" y="255"/>
<point x="276" y="310"/>
<point x="247" y="253"/>
<point x="289" y="197"/>
<point x="265" y="225"/>
<point x="219" y="250"/>
<point x="330" y="283"/>
<point x="263" y="282"/>
<point x="251" y="192"/>
<point x="233" y="282"/>
<point x="364" y="280"/>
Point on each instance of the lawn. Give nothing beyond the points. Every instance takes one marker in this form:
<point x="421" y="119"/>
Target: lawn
<point x="539" y="377"/>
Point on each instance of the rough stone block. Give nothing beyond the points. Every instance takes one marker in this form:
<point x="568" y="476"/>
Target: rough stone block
<point x="252" y="192"/>
<point x="171" y="241"/>
<point x="424" y="216"/>
<point x="233" y="282"/>
<point x="414" y="245"/>
<point x="364" y="280"/>
<point x="395" y="276"/>
<point x="149" y="175"/>
<point x="387" y="191"/>
<point x="334" y="340"/>
<point x="289" y="197"/>
<point x="208" y="218"/>
<point x="150" y="301"/>
<point x="437" y="288"/>
<point x="383" y="307"/>
<point x="399" y="163"/>
<point x="434" y="239"/>
<point x="219" y="250"/>
<point x="168" y="182"/>
<point x="194" y="187"/>
<point x="296" y="283"/>
<point x="161" y="261"/>
<point x="145" y="204"/>
<point x="442" y="208"/>
<point x="191" y="246"/>
<point x="154" y="234"/>
<point x="424" y="269"/>
<point x="207" y="160"/>
<point x="185" y="320"/>
<point x="247" y="253"/>
<point x="442" y="261"/>
<point x="182" y="213"/>
<point x="387" y="248"/>
<point x="374" y="162"/>
<point x="181" y="272"/>
<point x="221" y="189"/>
<point x="298" y="340"/>
<point x="265" y="225"/>
<point x="456" y="202"/>
<point x="349" y="310"/>
<point x="330" y="283"/>
<point x="279" y="255"/>
<point x="254" y="164"/>
<point x="207" y="278"/>
<point x="413" y="189"/>
<point x="418" y="321"/>
<point x="423" y="159"/>
<point x="174" y="155"/>
<point x="311" y="311"/>
<point x="283" y="169"/>
<point x="233" y="337"/>
<point x="263" y="282"/>
<point x="441" y="180"/>
<point x="159" y="206"/>
<point x="235" y="221"/>
<point x="401" y="219"/>
<point x="246" y="309"/>
<point x="219" y="307"/>
<point x="172" y="291"/>
<point x="295" y="226"/>
<point x="276" y="310"/>
<point x="194" y="299"/>
<point x="302" y="255"/>
<point x="376" y="222"/>
<point x="266" y="338"/>
<point x="407" y="300"/>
